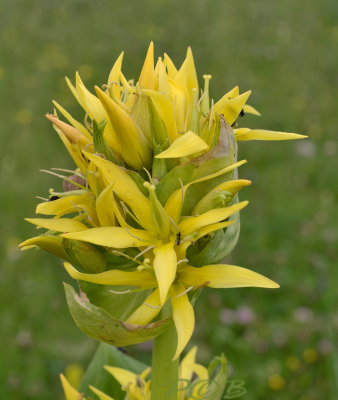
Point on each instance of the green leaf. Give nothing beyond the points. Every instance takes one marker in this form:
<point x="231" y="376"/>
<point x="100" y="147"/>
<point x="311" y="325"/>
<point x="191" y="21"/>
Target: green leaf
<point x="98" y="377"/>
<point x="98" y="324"/>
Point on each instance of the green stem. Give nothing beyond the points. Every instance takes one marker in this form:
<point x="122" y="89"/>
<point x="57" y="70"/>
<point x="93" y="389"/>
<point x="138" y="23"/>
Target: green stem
<point x="164" y="375"/>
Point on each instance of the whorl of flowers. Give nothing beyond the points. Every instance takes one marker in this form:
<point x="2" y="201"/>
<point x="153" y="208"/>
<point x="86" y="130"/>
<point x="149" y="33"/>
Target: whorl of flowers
<point x="152" y="207"/>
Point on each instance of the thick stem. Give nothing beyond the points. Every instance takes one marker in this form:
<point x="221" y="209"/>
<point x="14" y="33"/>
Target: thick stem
<point x="164" y="375"/>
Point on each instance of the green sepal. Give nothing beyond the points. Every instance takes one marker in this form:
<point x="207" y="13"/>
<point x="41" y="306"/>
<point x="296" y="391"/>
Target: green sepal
<point x="216" y="199"/>
<point x="98" y="324"/>
<point x="98" y="377"/>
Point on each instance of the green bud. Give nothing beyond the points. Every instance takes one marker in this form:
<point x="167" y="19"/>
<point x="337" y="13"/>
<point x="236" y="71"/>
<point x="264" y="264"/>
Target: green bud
<point x="85" y="255"/>
<point x="216" y="199"/>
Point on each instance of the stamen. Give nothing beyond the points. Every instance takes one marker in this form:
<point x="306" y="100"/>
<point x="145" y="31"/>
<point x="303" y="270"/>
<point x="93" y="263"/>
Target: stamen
<point x="144" y="251"/>
<point x="117" y="292"/>
<point x="133" y="235"/>
<point x="41" y="198"/>
<point x="182" y="190"/>
<point x="88" y="125"/>
<point x="119" y="253"/>
<point x="186" y="291"/>
<point x="186" y="118"/>
<point x="83" y="211"/>
<point x="63" y="177"/>
<point x="173" y="222"/>
<point x="183" y="260"/>
<point x="68" y="171"/>
<point x="151" y="306"/>
<point x="149" y="176"/>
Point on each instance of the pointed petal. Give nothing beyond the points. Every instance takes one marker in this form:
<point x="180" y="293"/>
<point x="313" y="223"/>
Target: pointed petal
<point x="192" y="81"/>
<point x="120" y="238"/>
<point x="147" y="79"/>
<point x="224" y="276"/>
<point x="183" y="315"/>
<point x="230" y="95"/>
<point x="180" y="97"/>
<point x="72" y="134"/>
<point x="144" y="278"/>
<point x="261" y="134"/>
<point x="123" y="376"/>
<point x="52" y="244"/>
<point x="74" y="152"/>
<point x="91" y="103"/>
<point x="125" y="188"/>
<point x="193" y="224"/>
<point x="105" y="207"/>
<point x="101" y="395"/>
<point x="70" y="392"/>
<point x="233" y="186"/>
<point x="135" y="149"/>
<point x="165" y="109"/>
<point x="58" y="224"/>
<point x="231" y="108"/>
<point x="185" y="145"/>
<point x="114" y="78"/>
<point x="147" y="311"/>
<point x="74" y="91"/>
<point x="186" y="364"/>
<point x="72" y="120"/>
<point x="163" y="83"/>
<point x="172" y="70"/>
<point x="165" y="264"/>
<point x="251" y="110"/>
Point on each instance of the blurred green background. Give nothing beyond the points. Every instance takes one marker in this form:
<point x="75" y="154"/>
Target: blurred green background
<point x="281" y="343"/>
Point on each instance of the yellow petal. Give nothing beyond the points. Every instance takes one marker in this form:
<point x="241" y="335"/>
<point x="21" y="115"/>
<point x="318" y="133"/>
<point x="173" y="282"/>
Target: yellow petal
<point x="58" y="224"/>
<point x="165" y="264"/>
<point x="144" y="278"/>
<point x="250" y="110"/>
<point x="114" y="237"/>
<point x="185" y="365"/>
<point x="52" y="244"/>
<point x="134" y="147"/>
<point x="114" y="78"/>
<point x="231" y="108"/>
<point x="163" y="83"/>
<point x="230" y="95"/>
<point x="261" y="134"/>
<point x="147" y="79"/>
<point x="72" y="134"/>
<point x="224" y="276"/>
<point x="125" y="188"/>
<point x="91" y="103"/>
<point x="192" y="81"/>
<point x="147" y="311"/>
<point x="105" y="207"/>
<point x="101" y="395"/>
<point x="70" y="392"/>
<point x="192" y="224"/>
<point x="72" y="120"/>
<point x="233" y="186"/>
<point x="70" y="204"/>
<point x="183" y="315"/>
<point x="172" y="70"/>
<point x="74" y="92"/>
<point x="174" y="204"/>
<point x="185" y="145"/>
<point x="180" y="98"/>
<point x="74" y="152"/>
<point x="165" y="109"/>
<point x="123" y="376"/>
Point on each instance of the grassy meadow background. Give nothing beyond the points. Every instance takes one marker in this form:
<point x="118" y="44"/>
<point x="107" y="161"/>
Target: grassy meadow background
<point x="281" y="343"/>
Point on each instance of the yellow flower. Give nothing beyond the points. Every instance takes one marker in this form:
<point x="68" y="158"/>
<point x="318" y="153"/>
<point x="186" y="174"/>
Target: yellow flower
<point x="194" y="381"/>
<point x="156" y="183"/>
